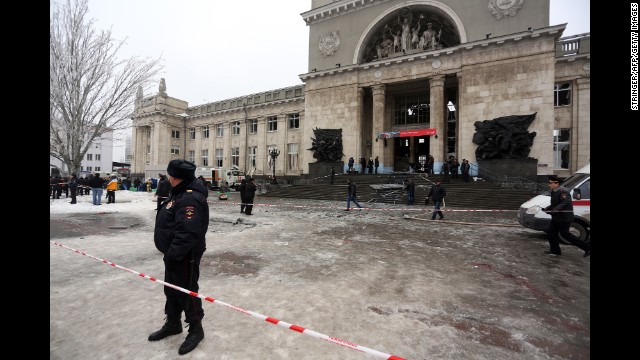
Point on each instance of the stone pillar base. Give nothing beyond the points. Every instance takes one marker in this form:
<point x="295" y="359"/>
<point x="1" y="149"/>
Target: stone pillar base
<point x="317" y="170"/>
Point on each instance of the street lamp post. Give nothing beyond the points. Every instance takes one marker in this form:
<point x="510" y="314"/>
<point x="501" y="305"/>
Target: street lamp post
<point x="274" y="155"/>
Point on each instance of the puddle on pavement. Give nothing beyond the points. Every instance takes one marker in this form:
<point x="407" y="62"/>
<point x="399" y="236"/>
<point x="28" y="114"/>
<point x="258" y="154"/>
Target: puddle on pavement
<point x="230" y="263"/>
<point x="84" y="225"/>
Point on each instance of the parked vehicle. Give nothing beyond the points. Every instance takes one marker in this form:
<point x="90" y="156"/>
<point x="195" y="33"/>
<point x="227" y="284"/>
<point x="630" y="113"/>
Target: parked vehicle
<point x="531" y="215"/>
<point x="215" y="176"/>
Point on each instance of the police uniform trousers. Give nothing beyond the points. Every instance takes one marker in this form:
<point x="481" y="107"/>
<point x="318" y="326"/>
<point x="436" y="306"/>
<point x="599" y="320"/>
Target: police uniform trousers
<point x="562" y="228"/>
<point x="177" y="273"/>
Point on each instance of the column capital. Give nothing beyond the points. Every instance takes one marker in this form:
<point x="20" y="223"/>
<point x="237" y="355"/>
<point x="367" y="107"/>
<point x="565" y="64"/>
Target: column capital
<point x="379" y="89"/>
<point x="437" y="80"/>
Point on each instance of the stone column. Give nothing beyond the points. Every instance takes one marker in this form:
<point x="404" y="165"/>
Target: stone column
<point x="581" y="125"/>
<point x="437" y="115"/>
<point x="379" y="95"/>
<point x="199" y="145"/>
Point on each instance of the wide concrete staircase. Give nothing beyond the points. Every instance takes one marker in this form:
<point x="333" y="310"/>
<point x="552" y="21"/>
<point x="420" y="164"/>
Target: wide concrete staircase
<point x="471" y="195"/>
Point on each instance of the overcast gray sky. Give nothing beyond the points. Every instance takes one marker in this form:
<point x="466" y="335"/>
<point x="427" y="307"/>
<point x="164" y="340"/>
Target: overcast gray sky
<point x="215" y="50"/>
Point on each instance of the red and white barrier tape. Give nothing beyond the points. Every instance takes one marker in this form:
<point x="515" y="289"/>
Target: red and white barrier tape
<point x="280" y="323"/>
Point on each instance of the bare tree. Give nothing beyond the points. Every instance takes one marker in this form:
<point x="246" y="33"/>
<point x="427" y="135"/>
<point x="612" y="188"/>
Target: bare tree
<point x="92" y="92"/>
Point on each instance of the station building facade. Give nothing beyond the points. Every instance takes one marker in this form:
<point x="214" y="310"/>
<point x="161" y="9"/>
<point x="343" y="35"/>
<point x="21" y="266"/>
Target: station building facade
<point x="426" y="69"/>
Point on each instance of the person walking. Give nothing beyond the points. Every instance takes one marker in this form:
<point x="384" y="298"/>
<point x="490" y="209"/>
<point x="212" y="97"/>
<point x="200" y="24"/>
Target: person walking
<point x="370" y="166"/>
<point x="411" y="190"/>
<point x="242" y="189"/>
<point x="351" y="162"/>
<point x="561" y="211"/>
<point x="437" y="192"/>
<point x="249" y="194"/>
<point x="352" y="190"/>
<point x="112" y="186"/>
<point x="179" y="234"/>
<point x="73" y="188"/>
<point x="376" y="164"/>
<point x="333" y="174"/>
<point x="162" y="191"/>
<point x="363" y="164"/>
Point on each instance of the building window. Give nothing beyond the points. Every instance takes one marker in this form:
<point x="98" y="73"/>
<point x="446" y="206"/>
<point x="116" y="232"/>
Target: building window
<point x="272" y="123"/>
<point x="562" y="94"/>
<point x="89" y="168"/>
<point x="148" y="149"/>
<point x="235" y="128"/>
<point x="97" y="168"/>
<point x="292" y="156"/>
<point x="205" y="157"/>
<point x="192" y="133"/>
<point x="253" y="126"/>
<point x="148" y="133"/>
<point x="175" y="134"/>
<point x="294" y="121"/>
<point x="411" y="109"/>
<point x="256" y="99"/>
<point x="205" y="132"/>
<point x="219" y="154"/>
<point x="175" y="150"/>
<point x="192" y="156"/>
<point x="561" y="148"/>
<point x="89" y="156"/>
<point x="235" y="156"/>
<point x="252" y="151"/>
<point x="220" y="130"/>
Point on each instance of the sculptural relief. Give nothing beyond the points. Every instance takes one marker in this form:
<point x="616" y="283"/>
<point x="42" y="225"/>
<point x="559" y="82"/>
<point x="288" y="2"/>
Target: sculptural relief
<point x="403" y="34"/>
<point x="329" y="43"/>
<point x="505" y="137"/>
<point x="502" y="8"/>
<point x="327" y="145"/>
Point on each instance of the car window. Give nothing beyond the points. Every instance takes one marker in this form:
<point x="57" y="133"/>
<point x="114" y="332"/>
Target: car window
<point x="585" y="190"/>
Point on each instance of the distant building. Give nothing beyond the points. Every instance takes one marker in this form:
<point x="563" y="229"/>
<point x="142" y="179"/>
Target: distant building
<point x="487" y="61"/>
<point x="98" y="158"/>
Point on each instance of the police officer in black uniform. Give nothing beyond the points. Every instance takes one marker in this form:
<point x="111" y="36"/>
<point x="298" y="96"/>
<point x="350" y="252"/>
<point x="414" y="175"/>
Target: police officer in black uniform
<point x="181" y="225"/>
<point x="561" y="211"/>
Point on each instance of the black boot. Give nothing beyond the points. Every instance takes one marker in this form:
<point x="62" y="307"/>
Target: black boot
<point x="196" y="334"/>
<point x="173" y="326"/>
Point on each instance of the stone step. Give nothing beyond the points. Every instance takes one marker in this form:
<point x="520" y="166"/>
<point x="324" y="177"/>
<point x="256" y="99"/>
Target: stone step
<point x="471" y="195"/>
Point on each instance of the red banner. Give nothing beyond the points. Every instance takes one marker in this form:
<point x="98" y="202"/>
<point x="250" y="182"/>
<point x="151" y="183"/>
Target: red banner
<point x="407" y="133"/>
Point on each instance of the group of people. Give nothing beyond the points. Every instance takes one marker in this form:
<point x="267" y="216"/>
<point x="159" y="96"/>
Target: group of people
<point x="370" y="166"/>
<point x="82" y="186"/>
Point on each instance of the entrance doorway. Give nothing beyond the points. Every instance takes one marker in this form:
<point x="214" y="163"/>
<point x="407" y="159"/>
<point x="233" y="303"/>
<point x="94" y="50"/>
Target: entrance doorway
<point x="410" y="152"/>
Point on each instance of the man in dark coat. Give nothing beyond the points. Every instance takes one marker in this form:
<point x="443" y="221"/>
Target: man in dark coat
<point x="162" y="191"/>
<point x="179" y="234"/>
<point x="249" y="195"/>
<point x="437" y="193"/>
<point x="561" y="211"/>
<point x="73" y="187"/>
<point x="242" y="188"/>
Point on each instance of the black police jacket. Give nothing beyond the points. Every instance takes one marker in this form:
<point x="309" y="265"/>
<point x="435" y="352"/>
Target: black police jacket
<point x="182" y="221"/>
<point x="561" y="208"/>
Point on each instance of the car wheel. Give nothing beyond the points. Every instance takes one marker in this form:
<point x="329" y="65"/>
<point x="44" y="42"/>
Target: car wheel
<point x="577" y="229"/>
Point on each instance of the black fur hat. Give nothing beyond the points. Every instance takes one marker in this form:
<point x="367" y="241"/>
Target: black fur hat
<point x="181" y="169"/>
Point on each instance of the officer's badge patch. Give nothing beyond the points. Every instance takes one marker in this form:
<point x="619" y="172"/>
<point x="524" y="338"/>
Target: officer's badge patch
<point x="169" y="204"/>
<point x="563" y="196"/>
<point x="189" y="211"/>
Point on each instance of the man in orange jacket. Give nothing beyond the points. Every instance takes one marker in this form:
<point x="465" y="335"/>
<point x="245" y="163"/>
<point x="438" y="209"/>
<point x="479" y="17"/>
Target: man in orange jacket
<point x="112" y="186"/>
